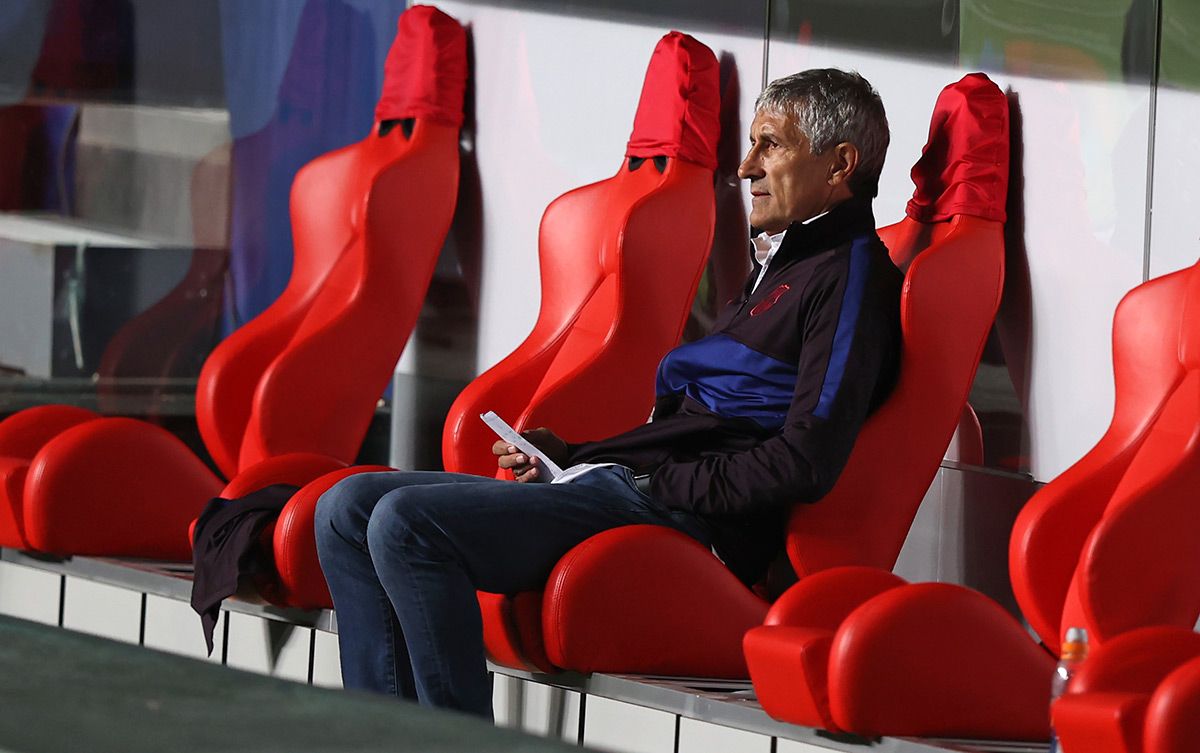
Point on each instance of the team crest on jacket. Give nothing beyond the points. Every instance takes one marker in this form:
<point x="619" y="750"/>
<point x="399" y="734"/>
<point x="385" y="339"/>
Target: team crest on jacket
<point x="772" y="298"/>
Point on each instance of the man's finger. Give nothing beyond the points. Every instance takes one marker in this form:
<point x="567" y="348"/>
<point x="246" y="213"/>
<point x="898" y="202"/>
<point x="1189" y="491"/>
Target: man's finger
<point x="512" y="461"/>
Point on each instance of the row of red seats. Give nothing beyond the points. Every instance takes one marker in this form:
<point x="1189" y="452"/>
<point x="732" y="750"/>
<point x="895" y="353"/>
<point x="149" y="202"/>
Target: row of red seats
<point x="849" y="647"/>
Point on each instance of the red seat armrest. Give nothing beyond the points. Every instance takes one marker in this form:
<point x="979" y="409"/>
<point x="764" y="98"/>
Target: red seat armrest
<point x="300" y="580"/>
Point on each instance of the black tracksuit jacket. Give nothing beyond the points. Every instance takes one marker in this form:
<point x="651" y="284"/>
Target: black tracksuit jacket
<point x="763" y="412"/>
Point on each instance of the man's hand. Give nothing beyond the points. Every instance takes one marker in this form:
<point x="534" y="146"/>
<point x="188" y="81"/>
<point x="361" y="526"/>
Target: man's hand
<point x="526" y="469"/>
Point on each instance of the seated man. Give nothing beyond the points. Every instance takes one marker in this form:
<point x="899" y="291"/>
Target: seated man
<point x="749" y="420"/>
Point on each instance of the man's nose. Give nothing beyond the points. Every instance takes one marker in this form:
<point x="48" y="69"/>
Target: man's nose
<point x="749" y="168"/>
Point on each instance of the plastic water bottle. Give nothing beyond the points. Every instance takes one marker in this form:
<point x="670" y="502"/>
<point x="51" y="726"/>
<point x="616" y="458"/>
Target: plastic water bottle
<point x="1074" y="651"/>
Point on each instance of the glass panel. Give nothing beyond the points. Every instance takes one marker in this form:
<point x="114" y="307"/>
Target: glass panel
<point x="1179" y="63"/>
<point x="1071" y="39"/>
<point x="147" y="149"/>
<point x="922" y="29"/>
<point x="686" y="15"/>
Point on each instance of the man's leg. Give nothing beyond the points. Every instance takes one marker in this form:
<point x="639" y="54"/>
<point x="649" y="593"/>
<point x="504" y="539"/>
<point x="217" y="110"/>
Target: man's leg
<point x="371" y="645"/>
<point x="433" y="546"/>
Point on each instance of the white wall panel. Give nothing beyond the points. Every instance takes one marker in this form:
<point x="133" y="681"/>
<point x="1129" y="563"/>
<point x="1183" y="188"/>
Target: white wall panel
<point x="1084" y="170"/>
<point x="702" y="737"/>
<point x="175" y="627"/>
<point x="29" y="594"/>
<point x="268" y="647"/>
<point x="555" y="98"/>
<point x="327" y="665"/>
<point x="507" y="696"/>
<point x="99" y="609"/>
<point x="625" y="728"/>
<point x="535" y="708"/>
<point x="551" y="712"/>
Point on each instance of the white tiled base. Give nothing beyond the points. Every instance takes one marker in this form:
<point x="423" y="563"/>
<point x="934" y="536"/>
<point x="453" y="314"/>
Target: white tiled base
<point x="29" y="594"/>
<point x="702" y="737"/>
<point x="99" y="609"/>
<point x="327" y="666"/>
<point x="551" y="712"/>
<point x="175" y="627"/>
<point x="268" y="647"/>
<point x="625" y="728"/>
<point x="535" y="708"/>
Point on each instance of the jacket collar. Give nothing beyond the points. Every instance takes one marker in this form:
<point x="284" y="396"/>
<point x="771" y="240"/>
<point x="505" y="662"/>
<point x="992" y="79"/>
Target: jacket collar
<point x="848" y="220"/>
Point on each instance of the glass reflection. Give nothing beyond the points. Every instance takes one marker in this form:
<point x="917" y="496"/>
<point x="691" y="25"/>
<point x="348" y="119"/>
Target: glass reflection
<point x="160" y="138"/>
<point x="745" y="17"/>
<point x="1179" y="61"/>
<point x="923" y="29"/>
<point x="1072" y="39"/>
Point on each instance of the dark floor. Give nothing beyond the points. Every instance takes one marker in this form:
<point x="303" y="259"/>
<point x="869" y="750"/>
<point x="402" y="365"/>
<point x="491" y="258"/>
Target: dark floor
<point x="64" y="691"/>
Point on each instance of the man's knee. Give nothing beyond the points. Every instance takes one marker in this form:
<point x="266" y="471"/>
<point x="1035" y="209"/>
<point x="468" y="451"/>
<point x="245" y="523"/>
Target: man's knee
<point x="405" y="521"/>
<point x="345" y="508"/>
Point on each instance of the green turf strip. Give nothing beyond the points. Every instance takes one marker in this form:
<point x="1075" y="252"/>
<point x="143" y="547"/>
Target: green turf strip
<point x="65" y="692"/>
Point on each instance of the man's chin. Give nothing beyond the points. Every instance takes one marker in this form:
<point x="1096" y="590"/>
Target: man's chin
<point x="770" y="227"/>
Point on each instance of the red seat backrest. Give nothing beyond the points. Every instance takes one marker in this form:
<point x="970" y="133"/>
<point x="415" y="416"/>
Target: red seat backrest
<point x="953" y="248"/>
<point x="1112" y="542"/>
<point x="368" y="223"/>
<point x="620" y="261"/>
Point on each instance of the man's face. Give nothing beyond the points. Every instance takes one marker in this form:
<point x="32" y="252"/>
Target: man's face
<point x="787" y="182"/>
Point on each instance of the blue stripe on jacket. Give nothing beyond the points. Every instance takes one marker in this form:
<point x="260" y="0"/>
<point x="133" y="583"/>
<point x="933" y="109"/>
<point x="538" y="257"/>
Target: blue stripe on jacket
<point x="843" y="338"/>
<point x="730" y="379"/>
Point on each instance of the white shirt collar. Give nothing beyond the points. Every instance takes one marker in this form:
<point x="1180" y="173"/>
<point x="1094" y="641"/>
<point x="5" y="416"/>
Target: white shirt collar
<point x="765" y="247"/>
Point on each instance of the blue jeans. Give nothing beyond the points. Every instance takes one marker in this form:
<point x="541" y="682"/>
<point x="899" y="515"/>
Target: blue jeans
<point x="404" y="553"/>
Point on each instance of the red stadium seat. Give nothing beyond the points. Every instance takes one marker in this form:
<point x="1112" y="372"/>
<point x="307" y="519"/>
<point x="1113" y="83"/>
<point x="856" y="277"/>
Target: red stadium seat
<point x="1109" y="545"/>
<point x="620" y="263"/>
<point x="288" y="396"/>
<point x="645" y="600"/>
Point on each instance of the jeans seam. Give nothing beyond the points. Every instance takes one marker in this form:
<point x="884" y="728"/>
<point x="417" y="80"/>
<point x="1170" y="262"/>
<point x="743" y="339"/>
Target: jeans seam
<point x="390" y="657"/>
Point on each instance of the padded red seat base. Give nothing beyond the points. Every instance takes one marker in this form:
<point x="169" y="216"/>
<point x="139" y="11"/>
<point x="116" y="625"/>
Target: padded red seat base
<point x="648" y="600"/>
<point x="115" y="487"/>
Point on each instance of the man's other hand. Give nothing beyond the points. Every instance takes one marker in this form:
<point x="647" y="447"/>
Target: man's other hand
<point x="527" y="469"/>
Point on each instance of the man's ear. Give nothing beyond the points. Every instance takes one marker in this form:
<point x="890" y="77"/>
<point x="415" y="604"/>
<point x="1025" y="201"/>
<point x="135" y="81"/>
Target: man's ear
<point x="845" y="162"/>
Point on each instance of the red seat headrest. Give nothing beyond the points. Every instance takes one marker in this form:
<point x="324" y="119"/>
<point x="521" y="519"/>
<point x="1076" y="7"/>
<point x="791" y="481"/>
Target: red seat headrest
<point x="964" y="166"/>
<point x="679" y="112"/>
<point x="426" y="70"/>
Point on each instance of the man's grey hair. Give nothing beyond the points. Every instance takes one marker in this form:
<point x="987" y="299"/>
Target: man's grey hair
<point x="831" y="106"/>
